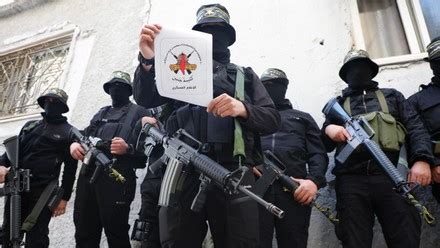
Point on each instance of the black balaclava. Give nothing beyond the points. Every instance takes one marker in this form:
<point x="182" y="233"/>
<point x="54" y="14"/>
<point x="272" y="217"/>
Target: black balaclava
<point x="359" y="75"/>
<point x="120" y="95"/>
<point x="53" y="111"/>
<point x="220" y="43"/>
<point x="435" y="66"/>
<point x="276" y="90"/>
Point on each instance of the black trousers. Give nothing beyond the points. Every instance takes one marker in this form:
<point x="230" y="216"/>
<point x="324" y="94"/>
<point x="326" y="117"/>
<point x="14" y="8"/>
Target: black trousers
<point x="103" y="205"/>
<point x="360" y="198"/>
<point x="436" y="191"/>
<point x="150" y="189"/>
<point x="292" y="231"/>
<point x="38" y="236"/>
<point x="232" y="224"/>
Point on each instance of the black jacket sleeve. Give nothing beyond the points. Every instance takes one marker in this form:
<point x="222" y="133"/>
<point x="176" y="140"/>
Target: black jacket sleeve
<point x="418" y="139"/>
<point x="69" y="173"/>
<point x="144" y="89"/>
<point x="91" y="128"/>
<point x="263" y="117"/>
<point x="317" y="158"/>
<point x="4" y="160"/>
<point x="414" y="102"/>
<point x="137" y="157"/>
<point x="329" y="144"/>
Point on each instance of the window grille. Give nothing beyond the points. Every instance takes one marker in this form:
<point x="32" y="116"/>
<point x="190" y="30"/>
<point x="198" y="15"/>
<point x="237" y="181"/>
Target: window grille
<point x="28" y="73"/>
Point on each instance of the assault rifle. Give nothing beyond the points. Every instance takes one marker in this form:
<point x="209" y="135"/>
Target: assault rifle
<point x="360" y="134"/>
<point x="17" y="182"/>
<point x="273" y="169"/>
<point x="103" y="163"/>
<point x="178" y="155"/>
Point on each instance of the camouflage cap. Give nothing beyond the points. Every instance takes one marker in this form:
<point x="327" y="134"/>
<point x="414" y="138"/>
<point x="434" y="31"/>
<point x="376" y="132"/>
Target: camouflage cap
<point x="357" y="55"/>
<point x="118" y="77"/>
<point x="56" y="93"/>
<point x="274" y="74"/>
<point x="433" y="49"/>
<point x="215" y="13"/>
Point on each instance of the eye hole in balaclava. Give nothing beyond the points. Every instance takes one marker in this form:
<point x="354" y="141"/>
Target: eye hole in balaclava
<point x="276" y="90"/>
<point x="53" y="108"/>
<point x="359" y="75"/>
<point x="119" y="93"/>
<point x="220" y="42"/>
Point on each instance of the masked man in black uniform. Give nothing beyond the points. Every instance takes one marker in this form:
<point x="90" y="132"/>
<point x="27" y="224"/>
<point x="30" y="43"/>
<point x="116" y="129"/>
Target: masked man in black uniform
<point x="43" y="147"/>
<point x="231" y="225"/>
<point x="427" y="103"/>
<point x="106" y="203"/>
<point x="363" y="190"/>
<point x="298" y="145"/>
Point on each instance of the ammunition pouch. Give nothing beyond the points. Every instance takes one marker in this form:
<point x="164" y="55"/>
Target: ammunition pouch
<point x="143" y="230"/>
<point x="389" y="134"/>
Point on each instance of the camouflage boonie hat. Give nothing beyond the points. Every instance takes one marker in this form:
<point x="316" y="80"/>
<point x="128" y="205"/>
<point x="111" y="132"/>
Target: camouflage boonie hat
<point x="56" y="93"/>
<point x="433" y="50"/>
<point x="274" y="74"/>
<point x="357" y="55"/>
<point x="215" y="13"/>
<point x="118" y="77"/>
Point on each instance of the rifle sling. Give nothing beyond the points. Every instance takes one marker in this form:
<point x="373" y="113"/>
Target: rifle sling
<point x="32" y="218"/>
<point x="239" y="148"/>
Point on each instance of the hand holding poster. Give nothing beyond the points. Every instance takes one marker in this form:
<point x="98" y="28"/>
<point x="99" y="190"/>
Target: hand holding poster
<point x="183" y="64"/>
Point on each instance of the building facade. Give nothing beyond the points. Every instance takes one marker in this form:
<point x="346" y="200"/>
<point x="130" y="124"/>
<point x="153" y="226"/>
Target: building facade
<point x="76" y="44"/>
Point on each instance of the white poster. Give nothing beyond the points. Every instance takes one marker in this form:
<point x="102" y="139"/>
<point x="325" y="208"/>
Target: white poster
<point x="183" y="64"/>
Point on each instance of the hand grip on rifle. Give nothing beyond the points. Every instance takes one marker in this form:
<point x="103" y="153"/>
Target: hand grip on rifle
<point x="274" y="166"/>
<point x="102" y="161"/>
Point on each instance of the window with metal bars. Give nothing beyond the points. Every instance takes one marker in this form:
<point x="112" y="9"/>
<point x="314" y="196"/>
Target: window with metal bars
<point x="28" y="73"/>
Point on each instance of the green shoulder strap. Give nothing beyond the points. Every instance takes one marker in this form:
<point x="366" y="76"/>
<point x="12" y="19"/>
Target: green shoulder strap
<point x="382" y="101"/>
<point x="32" y="218"/>
<point x="380" y="97"/>
<point x="238" y="132"/>
<point x="347" y="106"/>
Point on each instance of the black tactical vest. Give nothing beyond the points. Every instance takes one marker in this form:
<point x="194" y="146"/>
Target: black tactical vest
<point x="429" y="108"/>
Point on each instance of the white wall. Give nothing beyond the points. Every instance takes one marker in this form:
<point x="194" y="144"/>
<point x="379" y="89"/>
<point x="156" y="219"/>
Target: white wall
<point x="275" y="33"/>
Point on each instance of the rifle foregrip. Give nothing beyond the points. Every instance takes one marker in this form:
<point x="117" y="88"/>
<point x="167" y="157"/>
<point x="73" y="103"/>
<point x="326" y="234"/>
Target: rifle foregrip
<point x="210" y="168"/>
<point x="287" y="182"/>
<point x="15" y="217"/>
<point x="384" y="161"/>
